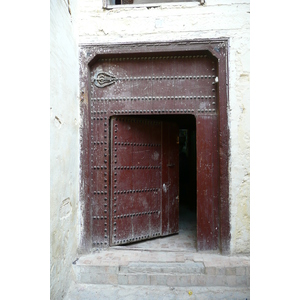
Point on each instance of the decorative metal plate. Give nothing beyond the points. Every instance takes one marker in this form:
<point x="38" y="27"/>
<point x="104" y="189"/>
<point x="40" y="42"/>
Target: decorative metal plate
<point x="103" y="79"/>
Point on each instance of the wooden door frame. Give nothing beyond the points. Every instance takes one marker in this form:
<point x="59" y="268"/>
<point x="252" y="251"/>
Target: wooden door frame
<point x="88" y="54"/>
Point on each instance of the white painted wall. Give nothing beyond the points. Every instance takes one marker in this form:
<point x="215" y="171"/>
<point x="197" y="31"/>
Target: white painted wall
<point x="217" y="18"/>
<point x="64" y="144"/>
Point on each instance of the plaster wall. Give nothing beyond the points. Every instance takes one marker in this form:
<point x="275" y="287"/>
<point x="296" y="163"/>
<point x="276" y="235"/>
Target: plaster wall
<point x="64" y="144"/>
<point x="215" y="19"/>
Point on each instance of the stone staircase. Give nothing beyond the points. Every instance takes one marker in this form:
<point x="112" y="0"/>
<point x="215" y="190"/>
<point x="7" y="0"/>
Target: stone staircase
<point x="114" y="273"/>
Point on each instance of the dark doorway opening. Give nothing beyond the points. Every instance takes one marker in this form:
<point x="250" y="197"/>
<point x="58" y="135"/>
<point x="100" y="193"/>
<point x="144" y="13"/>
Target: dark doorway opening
<point x="186" y="239"/>
<point x="188" y="181"/>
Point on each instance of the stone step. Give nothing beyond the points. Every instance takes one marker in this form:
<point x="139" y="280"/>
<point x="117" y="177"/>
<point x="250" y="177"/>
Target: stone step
<point x="168" y="268"/>
<point x="161" y="269"/>
<point x="81" y="291"/>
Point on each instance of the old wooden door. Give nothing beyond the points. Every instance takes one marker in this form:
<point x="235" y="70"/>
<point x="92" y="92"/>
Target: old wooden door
<point x="153" y="80"/>
<point x="144" y="179"/>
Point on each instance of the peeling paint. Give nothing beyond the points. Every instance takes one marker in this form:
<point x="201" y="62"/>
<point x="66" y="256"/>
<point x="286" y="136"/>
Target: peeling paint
<point x="165" y="188"/>
<point x="65" y="209"/>
<point x="155" y="155"/>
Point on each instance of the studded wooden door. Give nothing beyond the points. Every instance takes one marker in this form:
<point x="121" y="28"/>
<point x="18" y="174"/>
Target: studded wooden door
<point x="149" y="80"/>
<point x="144" y="179"/>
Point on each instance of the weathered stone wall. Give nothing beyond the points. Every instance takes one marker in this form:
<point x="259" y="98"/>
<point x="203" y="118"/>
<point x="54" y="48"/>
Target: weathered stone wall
<point x="64" y="144"/>
<point x="217" y="18"/>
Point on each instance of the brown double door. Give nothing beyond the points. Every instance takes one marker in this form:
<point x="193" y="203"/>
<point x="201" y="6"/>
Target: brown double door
<point x="144" y="179"/>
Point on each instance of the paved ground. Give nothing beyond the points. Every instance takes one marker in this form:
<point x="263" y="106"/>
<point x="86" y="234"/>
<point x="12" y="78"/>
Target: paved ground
<point x="99" y="292"/>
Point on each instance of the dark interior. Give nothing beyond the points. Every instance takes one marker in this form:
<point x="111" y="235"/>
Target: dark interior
<point x="187" y="165"/>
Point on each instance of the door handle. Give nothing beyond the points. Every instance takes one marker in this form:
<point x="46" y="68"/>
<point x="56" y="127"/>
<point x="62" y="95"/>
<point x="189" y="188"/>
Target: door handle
<point x="170" y="165"/>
